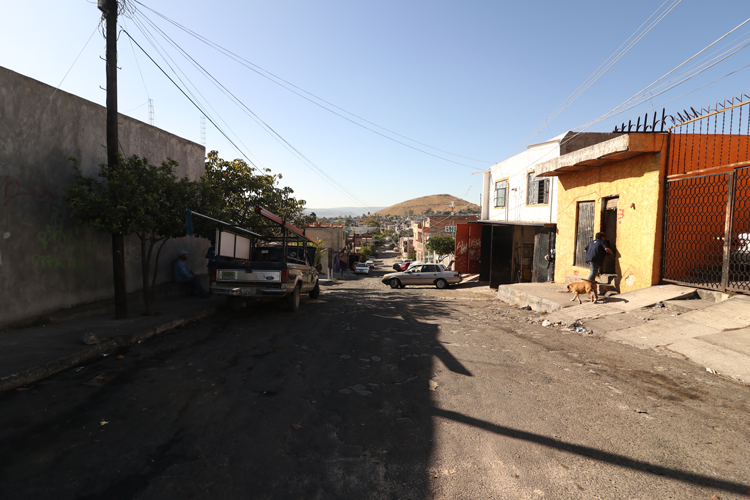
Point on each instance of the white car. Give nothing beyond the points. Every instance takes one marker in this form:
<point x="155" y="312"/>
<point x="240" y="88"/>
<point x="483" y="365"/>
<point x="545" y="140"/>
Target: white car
<point x="362" y="268"/>
<point x="423" y="274"/>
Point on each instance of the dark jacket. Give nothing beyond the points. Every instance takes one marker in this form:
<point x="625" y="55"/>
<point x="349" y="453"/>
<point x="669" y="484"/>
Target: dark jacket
<point x="596" y="251"/>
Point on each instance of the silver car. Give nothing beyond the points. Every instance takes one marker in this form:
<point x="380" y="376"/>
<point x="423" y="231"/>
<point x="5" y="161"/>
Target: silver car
<point x="423" y="274"/>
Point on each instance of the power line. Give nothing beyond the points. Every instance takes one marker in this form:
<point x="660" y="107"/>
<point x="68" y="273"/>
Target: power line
<point x="189" y="99"/>
<point x="630" y="103"/>
<point x="262" y="123"/>
<point x="607" y="64"/>
<point x="49" y="101"/>
<point x="260" y="71"/>
<point x="164" y="55"/>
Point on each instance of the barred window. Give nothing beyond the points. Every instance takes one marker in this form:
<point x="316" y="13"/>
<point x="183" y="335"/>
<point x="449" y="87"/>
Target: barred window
<point x="538" y="190"/>
<point x="501" y="193"/>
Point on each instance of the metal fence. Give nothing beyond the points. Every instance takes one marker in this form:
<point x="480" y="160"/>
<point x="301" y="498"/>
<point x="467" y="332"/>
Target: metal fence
<point x="707" y="198"/>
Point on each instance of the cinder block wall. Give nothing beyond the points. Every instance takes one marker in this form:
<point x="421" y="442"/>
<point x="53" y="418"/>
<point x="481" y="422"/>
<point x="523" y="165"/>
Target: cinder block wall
<point x="48" y="260"/>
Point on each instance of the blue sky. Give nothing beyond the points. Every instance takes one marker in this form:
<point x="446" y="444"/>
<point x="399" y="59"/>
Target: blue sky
<point x="472" y="79"/>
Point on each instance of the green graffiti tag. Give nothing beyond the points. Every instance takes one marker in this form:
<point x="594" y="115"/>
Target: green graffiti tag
<point x="69" y="244"/>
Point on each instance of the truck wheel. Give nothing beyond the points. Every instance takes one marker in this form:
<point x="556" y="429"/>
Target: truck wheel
<point x="292" y="300"/>
<point x="395" y="283"/>
<point x="315" y="292"/>
<point x="441" y="284"/>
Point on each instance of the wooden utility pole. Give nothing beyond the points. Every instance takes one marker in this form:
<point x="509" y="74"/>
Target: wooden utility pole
<point x="109" y="7"/>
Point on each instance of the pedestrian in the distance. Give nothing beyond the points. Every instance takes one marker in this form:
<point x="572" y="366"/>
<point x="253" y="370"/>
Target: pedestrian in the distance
<point x="184" y="275"/>
<point x="596" y="250"/>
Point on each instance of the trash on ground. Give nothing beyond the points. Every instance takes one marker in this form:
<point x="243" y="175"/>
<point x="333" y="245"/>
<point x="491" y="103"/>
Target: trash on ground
<point x="80" y="368"/>
<point x="659" y="304"/>
<point x="90" y="339"/>
<point x="296" y="427"/>
<point x="120" y="357"/>
<point x="101" y="379"/>
<point x="433" y="385"/>
<point x="103" y="422"/>
<point x="24" y="388"/>
<point x="709" y="370"/>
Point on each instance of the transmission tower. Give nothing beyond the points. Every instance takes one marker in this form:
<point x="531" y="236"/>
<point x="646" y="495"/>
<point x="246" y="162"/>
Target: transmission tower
<point x="203" y="131"/>
<point x="150" y="111"/>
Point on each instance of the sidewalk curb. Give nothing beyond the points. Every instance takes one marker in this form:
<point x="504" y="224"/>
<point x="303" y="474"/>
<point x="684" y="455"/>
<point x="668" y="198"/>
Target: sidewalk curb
<point x="37" y="373"/>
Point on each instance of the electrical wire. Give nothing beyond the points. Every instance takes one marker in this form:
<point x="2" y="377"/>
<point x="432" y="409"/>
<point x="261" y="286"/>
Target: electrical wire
<point x="264" y="73"/>
<point x="189" y="99"/>
<point x="695" y="71"/>
<point x="202" y="110"/>
<point x="263" y="124"/>
<point x="49" y="101"/>
<point x="599" y="72"/>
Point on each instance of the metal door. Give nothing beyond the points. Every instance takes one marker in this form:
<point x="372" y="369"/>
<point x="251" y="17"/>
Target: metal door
<point x="584" y="231"/>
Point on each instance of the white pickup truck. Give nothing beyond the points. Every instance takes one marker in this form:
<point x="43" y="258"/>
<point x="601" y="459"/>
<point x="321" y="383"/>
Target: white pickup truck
<point x="276" y="264"/>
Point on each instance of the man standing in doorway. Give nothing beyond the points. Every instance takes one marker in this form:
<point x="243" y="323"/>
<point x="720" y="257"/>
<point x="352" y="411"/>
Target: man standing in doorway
<point x="595" y="253"/>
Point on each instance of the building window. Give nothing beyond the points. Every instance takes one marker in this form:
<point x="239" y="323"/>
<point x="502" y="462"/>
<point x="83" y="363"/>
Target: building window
<point x="501" y="193"/>
<point x="538" y="190"/>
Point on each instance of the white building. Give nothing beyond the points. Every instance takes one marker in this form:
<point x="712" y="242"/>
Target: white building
<point x="522" y="211"/>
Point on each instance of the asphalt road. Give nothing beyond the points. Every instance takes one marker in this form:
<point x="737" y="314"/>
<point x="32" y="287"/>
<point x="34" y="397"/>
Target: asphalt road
<point x="371" y="392"/>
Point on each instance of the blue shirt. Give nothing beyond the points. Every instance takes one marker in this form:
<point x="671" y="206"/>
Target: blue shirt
<point x="181" y="272"/>
<point x="595" y="251"/>
<point x="211" y="256"/>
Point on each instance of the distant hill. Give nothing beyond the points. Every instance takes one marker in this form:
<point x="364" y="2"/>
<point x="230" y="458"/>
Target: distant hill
<point x="342" y="211"/>
<point x="436" y="202"/>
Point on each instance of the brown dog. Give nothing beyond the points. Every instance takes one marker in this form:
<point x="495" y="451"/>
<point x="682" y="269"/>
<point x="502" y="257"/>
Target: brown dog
<point x="584" y="286"/>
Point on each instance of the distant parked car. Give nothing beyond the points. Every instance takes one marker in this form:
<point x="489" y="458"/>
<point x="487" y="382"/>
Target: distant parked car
<point x="370" y="263"/>
<point x="423" y="274"/>
<point x="741" y="248"/>
<point x="362" y="268"/>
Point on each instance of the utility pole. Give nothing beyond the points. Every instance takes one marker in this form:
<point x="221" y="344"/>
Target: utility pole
<point x="109" y="8"/>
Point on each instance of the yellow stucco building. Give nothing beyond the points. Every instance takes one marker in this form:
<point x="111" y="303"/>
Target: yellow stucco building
<point x="615" y="187"/>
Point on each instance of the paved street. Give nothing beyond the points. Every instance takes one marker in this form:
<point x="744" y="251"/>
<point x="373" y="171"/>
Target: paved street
<point x="371" y="392"/>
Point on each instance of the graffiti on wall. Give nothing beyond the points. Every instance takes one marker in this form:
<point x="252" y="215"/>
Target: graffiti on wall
<point x="12" y="189"/>
<point x="64" y="244"/>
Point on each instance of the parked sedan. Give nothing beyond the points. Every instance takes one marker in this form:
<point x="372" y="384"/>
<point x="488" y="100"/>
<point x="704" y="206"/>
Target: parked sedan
<point x="362" y="268"/>
<point x="423" y="274"/>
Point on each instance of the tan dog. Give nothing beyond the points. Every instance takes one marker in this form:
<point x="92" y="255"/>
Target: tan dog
<point x="584" y="286"/>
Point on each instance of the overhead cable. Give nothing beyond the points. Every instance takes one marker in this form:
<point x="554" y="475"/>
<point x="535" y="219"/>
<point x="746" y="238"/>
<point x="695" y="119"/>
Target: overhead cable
<point x="264" y="73"/>
<point x="263" y="124"/>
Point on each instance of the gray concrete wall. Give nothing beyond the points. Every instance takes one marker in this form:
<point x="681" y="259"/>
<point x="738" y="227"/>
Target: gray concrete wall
<point x="48" y="260"/>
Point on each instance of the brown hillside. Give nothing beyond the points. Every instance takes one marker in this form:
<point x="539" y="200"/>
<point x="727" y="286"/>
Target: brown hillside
<point x="437" y="202"/>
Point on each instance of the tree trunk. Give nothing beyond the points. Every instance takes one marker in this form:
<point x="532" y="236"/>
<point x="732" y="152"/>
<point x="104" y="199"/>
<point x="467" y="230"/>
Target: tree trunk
<point x="145" y="271"/>
<point x="156" y="265"/>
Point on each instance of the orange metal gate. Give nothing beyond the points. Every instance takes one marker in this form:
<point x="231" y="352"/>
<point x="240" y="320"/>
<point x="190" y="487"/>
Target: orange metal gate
<point x="707" y="199"/>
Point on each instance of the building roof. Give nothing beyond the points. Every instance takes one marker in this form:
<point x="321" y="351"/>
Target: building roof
<point x="620" y="148"/>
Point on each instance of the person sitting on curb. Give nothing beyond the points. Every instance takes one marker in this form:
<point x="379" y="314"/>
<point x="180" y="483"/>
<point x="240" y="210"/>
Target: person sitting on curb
<point x="596" y="250"/>
<point x="184" y="275"/>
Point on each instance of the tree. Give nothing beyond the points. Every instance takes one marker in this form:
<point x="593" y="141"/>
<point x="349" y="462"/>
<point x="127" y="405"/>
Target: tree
<point x="349" y="221"/>
<point x="441" y="245"/>
<point x="137" y="198"/>
<point x="410" y="212"/>
<point x="364" y="252"/>
<point x="240" y="187"/>
<point x="428" y="211"/>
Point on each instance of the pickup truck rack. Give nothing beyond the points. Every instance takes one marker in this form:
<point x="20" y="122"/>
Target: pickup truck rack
<point x="264" y="261"/>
